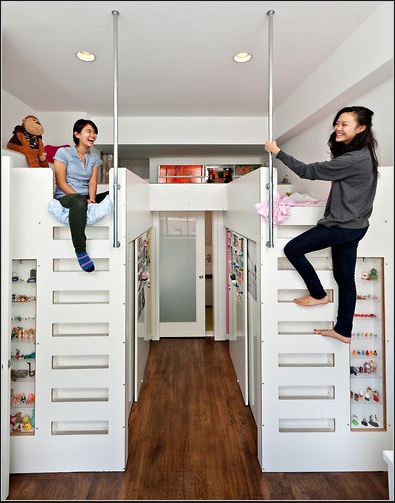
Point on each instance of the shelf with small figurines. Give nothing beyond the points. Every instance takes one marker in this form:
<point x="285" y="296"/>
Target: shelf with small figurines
<point x="23" y="347"/>
<point x="367" y="350"/>
<point x="22" y="422"/>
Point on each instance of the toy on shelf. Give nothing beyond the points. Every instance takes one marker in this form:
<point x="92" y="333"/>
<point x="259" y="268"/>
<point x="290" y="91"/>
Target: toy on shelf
<point x="285" y="180"/>
<point x="16" y="422"/>
<point x="370" y="276"/>
<point x="27" y="140"/>
<point x="27" y="425"/>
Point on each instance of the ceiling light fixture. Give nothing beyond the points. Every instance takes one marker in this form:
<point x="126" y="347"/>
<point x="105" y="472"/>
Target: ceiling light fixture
<point x="85" y="56"/>
<point x="242" y="57"/>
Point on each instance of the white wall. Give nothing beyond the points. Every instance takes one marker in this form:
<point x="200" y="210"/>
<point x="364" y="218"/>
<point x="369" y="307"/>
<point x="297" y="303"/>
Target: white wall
<point x="58" y="126"/>
<point x="311" y="144"/>
<point x="139" y="167"/>
<point x="362" y="62"/>
<point x="359" y="72"/>
<point x="12" y="113"/>
<point x="184" y="130"/>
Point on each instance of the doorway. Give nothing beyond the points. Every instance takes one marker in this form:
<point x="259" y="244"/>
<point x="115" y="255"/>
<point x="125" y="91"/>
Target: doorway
<point x="181" y="274"/>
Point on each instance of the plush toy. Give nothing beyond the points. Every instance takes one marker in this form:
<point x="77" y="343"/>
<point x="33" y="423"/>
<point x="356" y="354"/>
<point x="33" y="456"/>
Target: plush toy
<point x="27" y="425"/>
<point x="16" y="422"/>
<point x="27" y="139"/>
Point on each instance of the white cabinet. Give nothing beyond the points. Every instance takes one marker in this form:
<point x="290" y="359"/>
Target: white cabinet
<point x="23" y="347"/>
<point x="367" y="349"/>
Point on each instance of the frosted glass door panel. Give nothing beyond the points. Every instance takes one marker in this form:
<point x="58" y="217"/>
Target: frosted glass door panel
<point x="177" y="265"/>
<point x="181" y="274"/>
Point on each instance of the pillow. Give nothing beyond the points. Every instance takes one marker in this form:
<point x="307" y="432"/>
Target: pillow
<point x="96" y="211"/>
<point x="51" y="151"/>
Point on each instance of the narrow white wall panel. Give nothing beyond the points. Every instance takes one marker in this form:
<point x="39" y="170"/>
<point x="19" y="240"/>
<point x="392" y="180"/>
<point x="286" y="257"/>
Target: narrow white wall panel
<point x="189" y="197"/>
<point x="242" y="195"/>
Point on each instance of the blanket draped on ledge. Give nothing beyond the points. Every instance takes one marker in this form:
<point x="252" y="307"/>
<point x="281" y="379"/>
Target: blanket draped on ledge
<point x="282" y="205"/>
<point x="95" y="212"/>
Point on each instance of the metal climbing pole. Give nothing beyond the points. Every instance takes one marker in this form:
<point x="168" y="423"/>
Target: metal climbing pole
<point x="270" y="13"/>
<point x="116" y="243"/>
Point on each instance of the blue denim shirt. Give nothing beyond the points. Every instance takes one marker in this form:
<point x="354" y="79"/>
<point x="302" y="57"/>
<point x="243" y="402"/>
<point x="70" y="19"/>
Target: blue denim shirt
<point x="78" y="174"/>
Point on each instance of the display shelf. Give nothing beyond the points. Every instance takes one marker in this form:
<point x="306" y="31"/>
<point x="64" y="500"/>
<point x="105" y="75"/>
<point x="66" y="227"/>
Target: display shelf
<point x="181" y="174"/>
<point x="222" y="173"/>
<point x="367" y="350"/>
<point x="23" y="347"/>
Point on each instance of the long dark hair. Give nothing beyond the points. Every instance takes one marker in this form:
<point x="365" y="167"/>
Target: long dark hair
<point x="79" y="126"/>
<point x="364" y="139"/>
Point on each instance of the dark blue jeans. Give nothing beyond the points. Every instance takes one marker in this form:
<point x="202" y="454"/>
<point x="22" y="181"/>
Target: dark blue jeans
<point x="344" y="244"/>
<point x="78" y="206"/>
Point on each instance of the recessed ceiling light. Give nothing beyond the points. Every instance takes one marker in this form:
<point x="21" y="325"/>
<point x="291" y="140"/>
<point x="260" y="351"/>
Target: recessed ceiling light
<point x="85" y="56"/>
<point x="242" y="57"/>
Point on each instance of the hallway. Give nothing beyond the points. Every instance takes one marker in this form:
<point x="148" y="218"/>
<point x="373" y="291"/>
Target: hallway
<point x="192" y="438"/>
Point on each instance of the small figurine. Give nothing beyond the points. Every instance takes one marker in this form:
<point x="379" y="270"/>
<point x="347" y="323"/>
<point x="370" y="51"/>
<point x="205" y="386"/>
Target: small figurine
<point x="285" y="180"/>
<point x="373" y="274"/>
<point x="32" y="278"/>
<point x="27" y="425"/>
<point x="16" y="422"/>
<point x="211" y="176"/>
<point x="31" y="371"/>
<point x="228" y="175"/>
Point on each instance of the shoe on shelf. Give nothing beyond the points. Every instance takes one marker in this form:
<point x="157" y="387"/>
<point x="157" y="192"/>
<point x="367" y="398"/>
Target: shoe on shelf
<point x="364" y="421"/>
<point x="374" y="421"/>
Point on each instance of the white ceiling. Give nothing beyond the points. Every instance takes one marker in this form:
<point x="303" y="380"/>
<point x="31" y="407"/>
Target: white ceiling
<point x="174" y="58"/>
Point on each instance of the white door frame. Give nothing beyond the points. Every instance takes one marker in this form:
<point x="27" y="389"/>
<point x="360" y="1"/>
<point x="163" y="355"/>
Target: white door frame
<point x="197" y="328"/>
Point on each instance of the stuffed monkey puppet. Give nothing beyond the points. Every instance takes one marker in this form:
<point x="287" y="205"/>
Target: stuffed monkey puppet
<point x="27" y="139"/>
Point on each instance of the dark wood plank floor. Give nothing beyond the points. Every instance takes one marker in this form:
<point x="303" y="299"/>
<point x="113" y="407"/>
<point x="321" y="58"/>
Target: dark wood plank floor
<point x="192" y="438"/>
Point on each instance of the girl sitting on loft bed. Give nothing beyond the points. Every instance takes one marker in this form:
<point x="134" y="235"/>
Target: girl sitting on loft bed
<point x="76" y="171"/>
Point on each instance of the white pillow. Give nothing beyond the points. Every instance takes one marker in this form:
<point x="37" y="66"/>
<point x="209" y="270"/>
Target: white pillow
<point x="96" y="211"/>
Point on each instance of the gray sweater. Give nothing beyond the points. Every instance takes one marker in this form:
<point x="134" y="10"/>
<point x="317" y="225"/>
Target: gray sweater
<point x="350" y="200"/>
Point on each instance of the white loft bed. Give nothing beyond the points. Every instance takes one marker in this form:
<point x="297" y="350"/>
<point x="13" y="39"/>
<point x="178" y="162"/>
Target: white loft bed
<point x="290" y="419"/>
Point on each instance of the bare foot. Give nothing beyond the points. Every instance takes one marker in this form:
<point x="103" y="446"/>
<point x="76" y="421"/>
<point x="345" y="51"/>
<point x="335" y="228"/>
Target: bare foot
<point x="311" y="301"/>
<point x="334" y="335"/>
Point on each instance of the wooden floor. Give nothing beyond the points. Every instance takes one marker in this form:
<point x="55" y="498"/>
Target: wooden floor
<point x="192" y="438"/>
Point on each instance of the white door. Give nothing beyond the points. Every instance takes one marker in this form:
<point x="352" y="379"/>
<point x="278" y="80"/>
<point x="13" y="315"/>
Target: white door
<point x="238" y="328"/>
<point x="181" y="274"/>
<point x="142" y="307"/>
<point x="6" y="261"/>
<point x="253" y="328"/>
